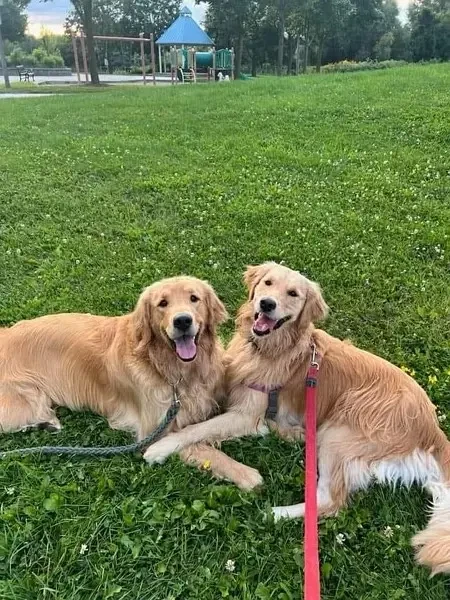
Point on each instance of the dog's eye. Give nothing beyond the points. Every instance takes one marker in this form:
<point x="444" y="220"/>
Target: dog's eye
<point x="268" y="282"/>
<point x="194" y="298"/>
<point x="292" y="293"/>
<point x="163" y="303"/>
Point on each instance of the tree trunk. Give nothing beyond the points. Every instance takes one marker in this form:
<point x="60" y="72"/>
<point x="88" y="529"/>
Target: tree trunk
<point x="89" y="31"/>
<point x="254" y="61"/>
<point x="306" y="52"/>
<point x="239" y="52"/>
<point x="281" y="29"/>
<point x="297" y="55"/>
<point x="319" y="56"/>
<point x="290" y="55"/>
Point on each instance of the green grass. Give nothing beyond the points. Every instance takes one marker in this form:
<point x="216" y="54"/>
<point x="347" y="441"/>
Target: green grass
<point x="344" y="177"/>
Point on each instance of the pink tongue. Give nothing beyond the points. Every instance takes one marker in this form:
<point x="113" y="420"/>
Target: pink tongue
<point x="185" y="347"/>
<point x="263" y="323"/>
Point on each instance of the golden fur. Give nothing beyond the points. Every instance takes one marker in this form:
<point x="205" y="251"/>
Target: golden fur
<point x="120" y="367"/>
<point x="374" y="421"/>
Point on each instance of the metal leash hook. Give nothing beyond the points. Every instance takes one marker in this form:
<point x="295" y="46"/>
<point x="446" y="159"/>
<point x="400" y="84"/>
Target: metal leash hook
<point x="109" y="450"/>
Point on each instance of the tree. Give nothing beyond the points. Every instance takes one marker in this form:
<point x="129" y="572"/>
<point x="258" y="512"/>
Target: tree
<point x="282" y="7"/>
<point x="84" y="15"/>
<point x="14" y="19"/>
<point x="233" y="20"/>
<point x="430" y="29"/>
<point x="383" y="47"/>
<point x="153" y="16"/>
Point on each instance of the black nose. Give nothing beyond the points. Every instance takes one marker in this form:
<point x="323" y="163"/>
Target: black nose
<point x="267" y="305"/>
<point x="182" y="322"/>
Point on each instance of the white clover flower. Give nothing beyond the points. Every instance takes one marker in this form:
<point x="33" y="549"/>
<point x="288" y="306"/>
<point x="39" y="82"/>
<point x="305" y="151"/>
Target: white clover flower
<point x="340" y="538"/>
<point x="83" y="549"/>
<point x="230" y="565"/>
<point x="388" y="531"/>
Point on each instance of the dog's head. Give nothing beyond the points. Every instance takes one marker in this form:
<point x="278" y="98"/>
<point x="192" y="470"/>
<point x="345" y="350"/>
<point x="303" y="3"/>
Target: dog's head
<point x="180" y="311"/>
<point x="281" y="297"/>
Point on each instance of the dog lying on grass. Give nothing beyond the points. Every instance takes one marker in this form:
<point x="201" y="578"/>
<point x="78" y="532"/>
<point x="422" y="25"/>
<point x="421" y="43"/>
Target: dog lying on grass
<point x="124" y="368"/>
<point x="375" y="423"/>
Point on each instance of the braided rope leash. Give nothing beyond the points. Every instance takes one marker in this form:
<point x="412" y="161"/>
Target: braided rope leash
<point x="105" y="451"/>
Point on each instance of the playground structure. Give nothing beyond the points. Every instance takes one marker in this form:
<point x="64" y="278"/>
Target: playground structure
<point x="188" y="64"/>
<point x="188" y="53"/>
<point x="141" y="40"/>
<point x="185" y="51"/>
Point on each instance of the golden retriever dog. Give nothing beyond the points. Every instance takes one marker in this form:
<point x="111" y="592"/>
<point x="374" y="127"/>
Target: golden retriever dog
<point x="124" y="368"/>
<point x="375" y="423"/>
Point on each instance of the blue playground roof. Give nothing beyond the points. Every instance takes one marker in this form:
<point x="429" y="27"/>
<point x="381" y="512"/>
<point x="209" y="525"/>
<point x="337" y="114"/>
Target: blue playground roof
<point x="185" y="31"/>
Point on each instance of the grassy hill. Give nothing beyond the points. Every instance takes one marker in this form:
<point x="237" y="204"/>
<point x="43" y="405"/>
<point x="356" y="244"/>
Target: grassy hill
<point x="344" y="177"/>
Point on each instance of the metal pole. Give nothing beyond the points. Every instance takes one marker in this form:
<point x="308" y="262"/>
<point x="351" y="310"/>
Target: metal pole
<point x="141" y="35"/>
<point x="2" y="53"/>
<point x="152" y="48"/>
<point x="83" y="52"/>
<point x="160" y="61"/>
<point x="75" y="54"/>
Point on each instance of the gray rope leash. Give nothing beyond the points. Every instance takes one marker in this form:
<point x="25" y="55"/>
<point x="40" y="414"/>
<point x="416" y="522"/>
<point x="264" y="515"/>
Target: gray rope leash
<point x="106" y="451"/>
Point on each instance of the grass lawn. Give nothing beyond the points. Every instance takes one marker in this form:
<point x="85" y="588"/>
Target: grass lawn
<point x="344" y="177"/>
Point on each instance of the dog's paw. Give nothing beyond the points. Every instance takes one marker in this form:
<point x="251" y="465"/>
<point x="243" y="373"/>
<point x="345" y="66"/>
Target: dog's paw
<point x="292" y="434"/>
<point x="248" y="478"/>
<point x="158" y="452"/>
<point x="296" y="511"/>
<point x="279" y="512"/>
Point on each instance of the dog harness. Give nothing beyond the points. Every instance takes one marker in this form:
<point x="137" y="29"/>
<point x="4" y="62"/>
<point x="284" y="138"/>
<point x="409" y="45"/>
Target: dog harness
<point x="272" y="398"/>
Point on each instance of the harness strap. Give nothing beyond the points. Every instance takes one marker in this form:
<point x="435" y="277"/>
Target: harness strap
<point x="272" y="398"/>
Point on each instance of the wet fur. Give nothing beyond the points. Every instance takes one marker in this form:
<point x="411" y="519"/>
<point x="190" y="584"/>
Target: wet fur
<point x="375" y="423"/>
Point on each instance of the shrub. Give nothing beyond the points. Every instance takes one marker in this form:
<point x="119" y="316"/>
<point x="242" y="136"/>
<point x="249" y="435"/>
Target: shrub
<point x="52" y="60"/>
<point x="39" y="54"/>
<point x="16" y="57"/>
<point x="347" y="66"/>
<point x="39" y="57"/>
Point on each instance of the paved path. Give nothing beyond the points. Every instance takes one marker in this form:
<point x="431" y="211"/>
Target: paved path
<point x="103" y="79"/>
<point x="19" y="95"/>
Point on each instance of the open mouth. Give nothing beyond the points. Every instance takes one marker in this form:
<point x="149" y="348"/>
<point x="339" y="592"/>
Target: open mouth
<point x="263" y="325"/>
<point x="186" y="347"/>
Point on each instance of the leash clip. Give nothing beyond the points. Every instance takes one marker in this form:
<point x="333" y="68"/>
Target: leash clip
<point x="314" y="362"/>
<point x="175" y="397"/>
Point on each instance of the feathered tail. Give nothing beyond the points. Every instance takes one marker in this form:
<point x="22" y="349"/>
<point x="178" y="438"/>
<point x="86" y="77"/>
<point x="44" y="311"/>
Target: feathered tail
<point x="433" y="543"/>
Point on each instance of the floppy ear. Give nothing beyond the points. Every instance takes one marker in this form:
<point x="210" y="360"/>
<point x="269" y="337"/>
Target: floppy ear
<point x="315" y="307"/>
<point x="142" y="321"/>
<point x="217" y="313"/>
<point x="253" y="276"/>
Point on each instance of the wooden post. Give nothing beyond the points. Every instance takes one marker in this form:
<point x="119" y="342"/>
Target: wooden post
<point x="232" y="63"/>
<point x="75" y="55"/>
<point x="141" y="35"/>
<point x="161" y="70"/>
<point x="214" y="64"/>
<point x="83" y="52"/>
<point x="152" y="50"/>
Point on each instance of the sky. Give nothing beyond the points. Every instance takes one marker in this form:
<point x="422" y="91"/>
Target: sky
<point x="51" y="15"/>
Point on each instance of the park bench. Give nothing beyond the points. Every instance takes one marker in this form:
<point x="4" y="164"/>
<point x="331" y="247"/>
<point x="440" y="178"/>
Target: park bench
<point x="24" y="73"/>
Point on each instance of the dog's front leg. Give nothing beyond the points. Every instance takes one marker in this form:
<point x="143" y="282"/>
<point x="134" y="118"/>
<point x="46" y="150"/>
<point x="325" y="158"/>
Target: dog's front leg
<point x="222" y="466"/>
<point x="231" y="424"/>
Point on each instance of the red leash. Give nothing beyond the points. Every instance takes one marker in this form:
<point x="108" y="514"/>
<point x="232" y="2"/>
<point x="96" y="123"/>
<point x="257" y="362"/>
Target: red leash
<point x="311" y="549"/>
